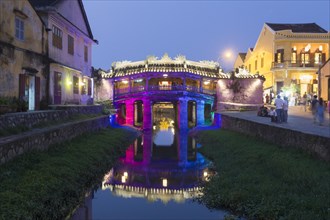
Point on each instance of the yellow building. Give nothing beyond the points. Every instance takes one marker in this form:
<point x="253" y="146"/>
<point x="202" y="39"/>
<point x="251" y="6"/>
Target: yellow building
<point x="23" y="44"/>
<point x="324" y="76"/>
<point x="289" y="56"/>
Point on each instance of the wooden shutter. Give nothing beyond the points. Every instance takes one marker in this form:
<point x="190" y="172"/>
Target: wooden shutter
<point x="37" y="93"/>
<point x="275" y="57"/>
<point x="89" y="87"/>
<point x="323" y="58"/>
<point x="21" y="91"/>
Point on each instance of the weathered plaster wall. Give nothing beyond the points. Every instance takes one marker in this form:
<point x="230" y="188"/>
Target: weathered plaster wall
<point x="239" y="94"/>
<point x="103" y="90"/>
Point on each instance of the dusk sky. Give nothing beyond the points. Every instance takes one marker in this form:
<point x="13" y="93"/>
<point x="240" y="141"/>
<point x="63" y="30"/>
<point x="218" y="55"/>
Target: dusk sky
<point x="200" y="30"/>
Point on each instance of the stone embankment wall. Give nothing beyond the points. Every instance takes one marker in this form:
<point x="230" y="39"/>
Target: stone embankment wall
<point x="30" y="119"/>
<point x="318" y="146"/>
<point x="79" y="109"/>
<point x="41" y="139"/>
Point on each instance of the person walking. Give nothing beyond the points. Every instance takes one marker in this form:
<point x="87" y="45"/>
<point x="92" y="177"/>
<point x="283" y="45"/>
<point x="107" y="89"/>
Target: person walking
<point x="285" y="109"/>
<point x="267" y="98"/>
<point x="320" y="111"/>
<point x="279" y="108"/>
<point x="304" y="101"/>
<point x="314" y="104"/>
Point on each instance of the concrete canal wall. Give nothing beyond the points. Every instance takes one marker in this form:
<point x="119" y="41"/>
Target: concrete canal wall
<point x="318" y="146"/>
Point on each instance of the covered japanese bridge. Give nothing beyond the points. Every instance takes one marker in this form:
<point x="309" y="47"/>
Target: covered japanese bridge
<point x="165" y="92"/>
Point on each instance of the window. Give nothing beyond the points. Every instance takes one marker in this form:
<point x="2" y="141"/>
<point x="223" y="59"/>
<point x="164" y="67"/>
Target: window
<point x="305" y="58"/>
<point x="57" y="37"/>
<point x="70" y="45"/>
<point x="319" y="58"/>
<point x="19" y="28"/>
<point x="262" y="62"/>
<point x="250" y="67"/>
<point x="294" y="56"/>
<point x="279" y="56"/>
<point x="84" y="87"/>
<point x="86" y="53"/>
<point x="75" y="85"/>
<point x="255" y="64"/>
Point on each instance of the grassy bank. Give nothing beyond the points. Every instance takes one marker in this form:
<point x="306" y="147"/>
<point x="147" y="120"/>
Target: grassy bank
<point x="48" y="185"/>
<point x="262" y="181"/>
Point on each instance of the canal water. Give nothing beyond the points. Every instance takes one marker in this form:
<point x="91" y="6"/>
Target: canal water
<point x="157" y="178"/>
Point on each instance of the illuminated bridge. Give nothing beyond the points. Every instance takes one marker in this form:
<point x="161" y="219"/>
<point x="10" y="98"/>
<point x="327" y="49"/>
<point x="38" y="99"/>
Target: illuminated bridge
<point x="165" y="92"/>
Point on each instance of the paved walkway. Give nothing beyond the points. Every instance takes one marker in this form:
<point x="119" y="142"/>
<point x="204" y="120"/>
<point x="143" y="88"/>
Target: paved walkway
<point x="298" y="120"/>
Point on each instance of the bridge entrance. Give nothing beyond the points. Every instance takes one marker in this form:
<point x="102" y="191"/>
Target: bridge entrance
<point x="164" y="115"/>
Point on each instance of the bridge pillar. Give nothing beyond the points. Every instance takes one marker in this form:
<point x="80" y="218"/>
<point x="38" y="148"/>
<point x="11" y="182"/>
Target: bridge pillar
<point x="129" y="112"/>
<point x="182" y="114"/>
<point x="147" y="114"/>
<point x="200" y="112"/>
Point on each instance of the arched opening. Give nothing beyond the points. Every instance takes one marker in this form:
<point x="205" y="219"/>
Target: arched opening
<point x="121" y="115"/>
<point x="163" y="115"/>
<point x="208" y="114"/>
<point x="138" y="113"/>
<point x="192" y="114"/>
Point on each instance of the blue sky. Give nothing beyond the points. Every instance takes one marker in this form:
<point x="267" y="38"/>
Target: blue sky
<point x="200" y="30"/>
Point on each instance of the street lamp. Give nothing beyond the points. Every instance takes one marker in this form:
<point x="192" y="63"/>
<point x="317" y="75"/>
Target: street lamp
<point x="225" y="57"/>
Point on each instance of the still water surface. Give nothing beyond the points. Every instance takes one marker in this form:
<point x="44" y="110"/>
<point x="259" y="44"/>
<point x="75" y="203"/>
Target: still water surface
<point x="157" y="178"/>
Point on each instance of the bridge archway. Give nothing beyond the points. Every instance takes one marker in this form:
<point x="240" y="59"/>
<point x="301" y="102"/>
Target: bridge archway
<point x="192" y="113"/>
<point x="138" y="113"/>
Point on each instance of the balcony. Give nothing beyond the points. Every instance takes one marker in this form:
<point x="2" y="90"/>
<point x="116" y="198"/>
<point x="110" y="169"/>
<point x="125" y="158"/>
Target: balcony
<point x="161" y="88"/>
<point x="291" y="64"/>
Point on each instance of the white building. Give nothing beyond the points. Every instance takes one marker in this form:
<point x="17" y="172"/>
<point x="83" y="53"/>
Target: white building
<point x="70" y="41"/>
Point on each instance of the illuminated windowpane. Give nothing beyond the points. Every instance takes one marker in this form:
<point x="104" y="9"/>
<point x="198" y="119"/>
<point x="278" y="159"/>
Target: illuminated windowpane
<point x="279" y="57"/>
<point x="294" y="57"/>
<point x="317" y="58"/>
<point x="305" y="58"/>
<point x="75" y="85"/>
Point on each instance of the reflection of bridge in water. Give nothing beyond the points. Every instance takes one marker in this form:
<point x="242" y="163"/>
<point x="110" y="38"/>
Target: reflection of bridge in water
<point x="158" y="169"/>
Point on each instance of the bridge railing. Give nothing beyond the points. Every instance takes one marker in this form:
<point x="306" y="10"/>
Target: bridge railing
<point x="136" y="89"/>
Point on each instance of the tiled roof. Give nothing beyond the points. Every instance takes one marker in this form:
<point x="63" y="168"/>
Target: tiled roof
<point x="44" y="3"/>
<point x="298" y="28"/>
<point x="242" y="55"/>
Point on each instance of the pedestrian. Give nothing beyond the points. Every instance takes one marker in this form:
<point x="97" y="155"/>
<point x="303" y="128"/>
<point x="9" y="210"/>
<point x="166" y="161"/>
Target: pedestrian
<point x="314" y="104"/>
<point x="267" y="98"/>
<point x="304" y="101"/>
<point x="320" y="111"/>
<point x="285" y="109"/>
<point x="279" y="108"/>
<point x="272" y="114"/>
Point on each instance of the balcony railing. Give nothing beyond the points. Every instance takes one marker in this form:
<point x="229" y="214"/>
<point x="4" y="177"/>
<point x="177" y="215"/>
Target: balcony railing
<point x="137" y="89"/>
<point x="296" y="64"/>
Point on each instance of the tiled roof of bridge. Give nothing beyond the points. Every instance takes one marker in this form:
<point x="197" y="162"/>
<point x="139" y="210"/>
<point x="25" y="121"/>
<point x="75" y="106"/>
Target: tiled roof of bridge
<point x="167" y="65"/>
